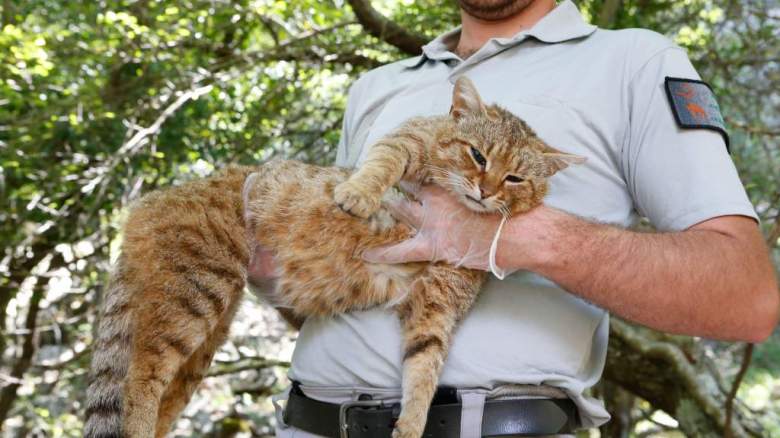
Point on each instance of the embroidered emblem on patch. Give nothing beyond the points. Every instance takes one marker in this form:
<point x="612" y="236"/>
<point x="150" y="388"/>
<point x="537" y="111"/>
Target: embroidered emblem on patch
<point x="694" y="105"/>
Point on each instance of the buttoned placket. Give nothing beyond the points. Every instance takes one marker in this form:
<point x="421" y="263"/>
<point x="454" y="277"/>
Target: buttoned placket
<point x="562" y="24"/>
<point x="493" y="47"/>
<point x="459" y="66"/>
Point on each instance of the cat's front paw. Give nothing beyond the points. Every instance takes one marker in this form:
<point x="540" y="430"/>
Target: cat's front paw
<point x="355" y="200"/>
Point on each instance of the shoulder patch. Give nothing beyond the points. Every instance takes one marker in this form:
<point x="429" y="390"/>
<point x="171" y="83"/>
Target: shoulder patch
<point x="694" y="106"/>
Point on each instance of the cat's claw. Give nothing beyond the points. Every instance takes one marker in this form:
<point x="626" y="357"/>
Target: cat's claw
<point x="409" y="429"/>
<point x="354" y="200"/>
<point x="398" y="433"/>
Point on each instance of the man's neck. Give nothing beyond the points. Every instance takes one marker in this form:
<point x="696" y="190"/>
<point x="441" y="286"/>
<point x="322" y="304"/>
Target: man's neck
<point x="476" y="32"/>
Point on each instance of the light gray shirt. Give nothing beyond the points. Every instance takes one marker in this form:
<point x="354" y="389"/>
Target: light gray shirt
<point x="591" y="92"/>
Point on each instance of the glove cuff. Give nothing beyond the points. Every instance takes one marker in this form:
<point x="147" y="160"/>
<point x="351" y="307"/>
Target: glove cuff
<point x="498" y="272"/>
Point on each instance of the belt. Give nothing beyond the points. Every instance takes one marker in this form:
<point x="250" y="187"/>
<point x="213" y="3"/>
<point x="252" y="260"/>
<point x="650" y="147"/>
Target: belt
<point x="367" y="418"/>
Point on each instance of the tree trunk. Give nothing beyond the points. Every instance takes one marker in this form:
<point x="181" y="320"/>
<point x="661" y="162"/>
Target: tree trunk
<point x="674" y="375"/>
<point x="619" y="403"/>
<point x="386" y="30"/>
<point x="608" y="13"/>
<point x="23" y="362"/>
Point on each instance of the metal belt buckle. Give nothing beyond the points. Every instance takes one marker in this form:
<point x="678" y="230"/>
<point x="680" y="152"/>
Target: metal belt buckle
<point x="346" y="406"/>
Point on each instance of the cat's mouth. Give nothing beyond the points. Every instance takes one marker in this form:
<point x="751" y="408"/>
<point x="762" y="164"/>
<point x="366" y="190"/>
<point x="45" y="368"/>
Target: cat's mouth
<point x="474" y="199"/>
<point x="475" y="204"/>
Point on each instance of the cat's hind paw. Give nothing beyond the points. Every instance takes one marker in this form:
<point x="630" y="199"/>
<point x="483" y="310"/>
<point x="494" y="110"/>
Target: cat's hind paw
<point x="409" y="429"/>
<point x="354" y="200"/>
<point x="399" y="433"/>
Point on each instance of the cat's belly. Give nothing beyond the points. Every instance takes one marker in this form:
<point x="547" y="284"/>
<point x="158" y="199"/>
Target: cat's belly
<point x="317" y="246"/>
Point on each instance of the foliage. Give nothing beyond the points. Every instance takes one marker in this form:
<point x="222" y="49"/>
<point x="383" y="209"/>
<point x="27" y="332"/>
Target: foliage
<point x="102" y="101"/>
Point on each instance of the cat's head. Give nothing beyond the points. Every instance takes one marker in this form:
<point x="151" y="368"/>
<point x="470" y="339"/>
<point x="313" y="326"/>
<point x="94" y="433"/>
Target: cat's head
<point x="491" y="159"/>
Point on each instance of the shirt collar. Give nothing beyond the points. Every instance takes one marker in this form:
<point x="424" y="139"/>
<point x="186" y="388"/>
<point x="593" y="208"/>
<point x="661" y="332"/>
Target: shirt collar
<point x="563" y="23"/>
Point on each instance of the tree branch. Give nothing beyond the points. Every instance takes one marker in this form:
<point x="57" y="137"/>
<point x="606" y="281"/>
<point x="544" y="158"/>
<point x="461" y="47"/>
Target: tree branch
<point x="608" y="13"/>
<point x="8" y="13"/>
<point x="299" y="49"/>
<point x="773" y="237"/>
<point x="672" y="379"/>
<point x="747" y="356"/>
<point x="753" y="129"/>
<point x="253" y="363"/>
<point x="8" y="394"/>
<point x="386" y="30"/>
<point x="140" y="136"/>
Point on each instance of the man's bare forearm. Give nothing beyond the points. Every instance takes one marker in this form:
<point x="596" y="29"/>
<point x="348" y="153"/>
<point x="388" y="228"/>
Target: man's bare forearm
<point x="713" y="280"/>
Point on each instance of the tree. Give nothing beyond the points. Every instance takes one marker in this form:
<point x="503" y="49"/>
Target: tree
<point x="103" y="101"/>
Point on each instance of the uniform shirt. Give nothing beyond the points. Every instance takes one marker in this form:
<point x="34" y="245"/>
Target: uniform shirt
<point x="587" y="91"/>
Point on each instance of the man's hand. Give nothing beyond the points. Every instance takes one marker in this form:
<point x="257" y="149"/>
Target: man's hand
<point x="714" y="279"/>
<point x="446" y="231"/>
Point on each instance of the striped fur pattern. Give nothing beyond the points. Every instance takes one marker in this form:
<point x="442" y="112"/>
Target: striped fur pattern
<point x="170" y="301"/>
<point x="493" y="163"/>
<point x="177" y="285"/>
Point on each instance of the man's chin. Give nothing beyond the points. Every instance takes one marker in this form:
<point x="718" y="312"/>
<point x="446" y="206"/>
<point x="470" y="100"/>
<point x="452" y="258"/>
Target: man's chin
<point x="493" y="10"/>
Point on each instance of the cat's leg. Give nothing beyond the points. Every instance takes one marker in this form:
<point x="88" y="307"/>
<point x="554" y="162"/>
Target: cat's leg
<point x="168" y="332"/>
<point x="189" y="376"/>
<point x="392" y="157"/>
<point x="156" y="359"/>
<point x="429" y="315"/>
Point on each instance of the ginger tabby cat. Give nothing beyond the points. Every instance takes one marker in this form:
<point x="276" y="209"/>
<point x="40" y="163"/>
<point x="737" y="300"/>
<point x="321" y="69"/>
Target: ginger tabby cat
<point x="182" y="270"/>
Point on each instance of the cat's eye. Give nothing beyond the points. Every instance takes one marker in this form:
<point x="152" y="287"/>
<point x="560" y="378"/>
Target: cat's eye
<point x="478" y="157"/>
<point x="513" y="179"/>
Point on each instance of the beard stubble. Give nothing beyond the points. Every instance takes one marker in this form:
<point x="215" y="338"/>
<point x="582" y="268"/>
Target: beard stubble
<point x="492" y="10"/>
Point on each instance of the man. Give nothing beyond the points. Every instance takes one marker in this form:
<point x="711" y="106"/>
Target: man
<point x="630" y="102"/>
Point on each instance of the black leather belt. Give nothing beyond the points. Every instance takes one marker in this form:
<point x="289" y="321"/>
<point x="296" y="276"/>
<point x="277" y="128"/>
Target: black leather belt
<point x="375" y="419"/>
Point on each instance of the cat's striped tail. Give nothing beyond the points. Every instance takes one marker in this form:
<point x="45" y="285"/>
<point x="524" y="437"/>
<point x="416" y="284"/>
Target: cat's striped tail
<point x="110" y="359"/>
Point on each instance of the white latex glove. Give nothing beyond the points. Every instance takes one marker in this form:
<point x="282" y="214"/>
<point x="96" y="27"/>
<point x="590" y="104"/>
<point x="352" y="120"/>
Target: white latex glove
<point x="447" y="231"/>
<point x="262" y="274"/>
<point x="262" y="271"/>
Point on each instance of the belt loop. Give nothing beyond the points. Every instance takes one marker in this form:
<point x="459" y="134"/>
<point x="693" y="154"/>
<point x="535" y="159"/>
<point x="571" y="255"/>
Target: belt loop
<point x="472" y="405"/>
<point x="278" y="409"/>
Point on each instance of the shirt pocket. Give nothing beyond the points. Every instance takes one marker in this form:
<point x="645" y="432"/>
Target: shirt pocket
<point x="554" y="122"/>
<point x="595" y="189"/>
<point x="548" y="116"/>
<point x="404" y="106"/>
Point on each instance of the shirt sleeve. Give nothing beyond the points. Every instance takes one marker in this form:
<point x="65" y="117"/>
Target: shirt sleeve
<point x="345" y="147"/>
<point x="677" y="177"/>
<point x="341" y="148"/>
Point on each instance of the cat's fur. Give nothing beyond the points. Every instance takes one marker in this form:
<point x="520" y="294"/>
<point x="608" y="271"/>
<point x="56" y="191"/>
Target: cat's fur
<point x="181" y="275"/>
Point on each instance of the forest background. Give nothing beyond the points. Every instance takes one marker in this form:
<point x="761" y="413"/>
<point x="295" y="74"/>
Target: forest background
<point x="102" y="101"/>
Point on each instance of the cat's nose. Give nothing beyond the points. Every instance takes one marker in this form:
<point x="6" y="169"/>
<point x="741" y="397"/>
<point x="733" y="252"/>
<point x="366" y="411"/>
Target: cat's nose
<point x="484" y="193"/>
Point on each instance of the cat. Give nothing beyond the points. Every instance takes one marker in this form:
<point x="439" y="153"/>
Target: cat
<point x="180" y="277"/>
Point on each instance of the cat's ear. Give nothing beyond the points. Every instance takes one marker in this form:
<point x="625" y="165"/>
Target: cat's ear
<point x="465" y="99"/>
<point x="557" y="161"/>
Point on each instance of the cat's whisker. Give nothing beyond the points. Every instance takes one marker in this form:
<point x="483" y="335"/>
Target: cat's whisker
<point x="446" y="175"/>
<point x="442" y="174"/>
<point x="442" y="179"/>
<point x="451" y="181"/>
<point x="441" y="171"/>
<point x="435" y="169"/>
<point x="456" y="185"/>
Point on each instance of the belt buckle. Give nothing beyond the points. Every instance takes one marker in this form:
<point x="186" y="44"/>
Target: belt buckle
<point x="346" y="406"/>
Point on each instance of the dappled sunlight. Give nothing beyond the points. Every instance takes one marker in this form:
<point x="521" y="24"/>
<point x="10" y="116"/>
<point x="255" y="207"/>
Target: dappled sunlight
<point x="102" y="102"/>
